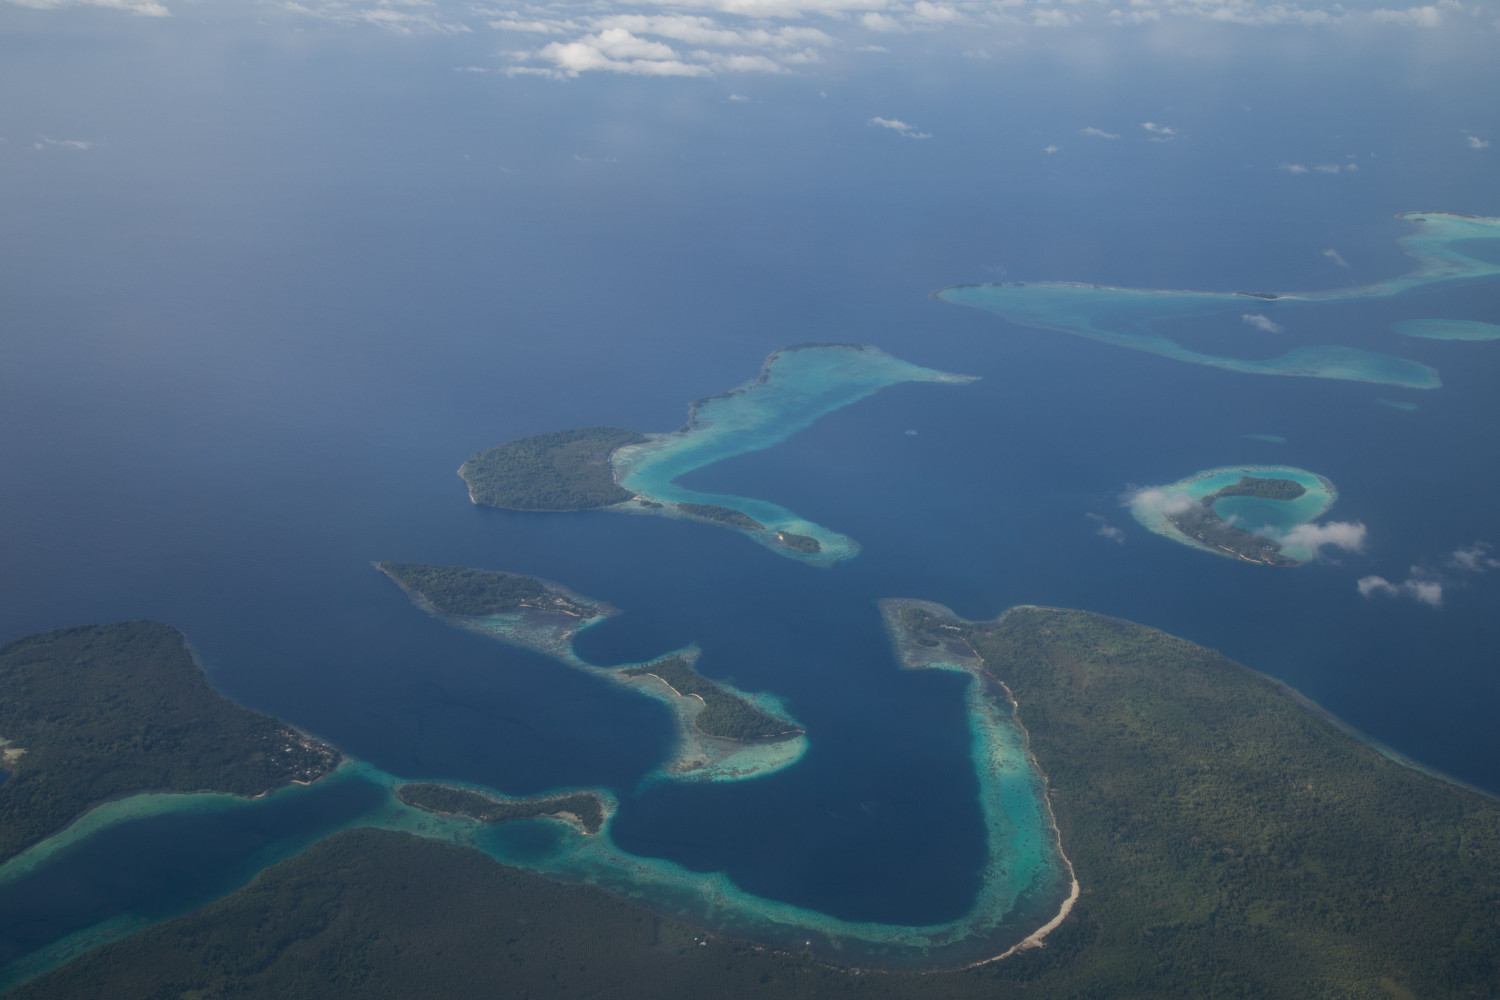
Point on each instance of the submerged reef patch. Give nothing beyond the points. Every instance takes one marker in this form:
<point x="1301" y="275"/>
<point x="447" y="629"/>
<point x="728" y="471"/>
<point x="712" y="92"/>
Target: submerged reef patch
<point x="1125" y="316"/>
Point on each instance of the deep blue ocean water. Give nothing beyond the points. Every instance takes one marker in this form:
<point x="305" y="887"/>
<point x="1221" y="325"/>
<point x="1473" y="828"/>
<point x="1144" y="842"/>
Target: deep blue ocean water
<point x="252" y="336"/>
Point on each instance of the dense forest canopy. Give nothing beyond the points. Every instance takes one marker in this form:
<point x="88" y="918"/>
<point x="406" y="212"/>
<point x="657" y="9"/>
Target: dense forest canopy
<point x="564" y="470"/>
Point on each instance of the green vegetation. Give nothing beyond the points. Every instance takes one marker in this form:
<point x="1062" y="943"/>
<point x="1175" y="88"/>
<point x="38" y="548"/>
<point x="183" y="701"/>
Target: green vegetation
<point x="1202" y="522"/>
<point x="1199" y="521"/>
<point x="1265" y="488"/>
<point x="105" y="710"/>
<point x="466" y="802"/>
<point x="565" y="470"/>
<point x="799" y="543"/>
<point x="721" y="515"/>
<point x="724" y="715"/>
<point x="473" y="593"/>
<point x="1230" y="843"/>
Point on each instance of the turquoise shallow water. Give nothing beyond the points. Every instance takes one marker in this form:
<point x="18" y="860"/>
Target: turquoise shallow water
<point x="1124" y="316"/>
<point x="1025" y="884"/>
<point x="796" y="388"/>
<point x="1447" y="329"/>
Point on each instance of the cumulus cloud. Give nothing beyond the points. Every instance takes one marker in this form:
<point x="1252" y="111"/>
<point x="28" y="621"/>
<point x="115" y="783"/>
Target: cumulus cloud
<point x="1158" y="131"/>
<point x="1336" y="257"/>
<point x="1346" y="535"/>
<point x="1100" y="133"/>
<point x="1155" y="500"/>
<point x="1477" y="143"/>
<point x="1292" y="168"/>
<point x="1474" y="558"/>
<point x="897" y="125"/>
<point x="1429" y="592"/>
<point x="1262" y="322"/>
<point x="1049" y="150"/>
<point x="1107" y="530"/>
<point x="1329" y="168"/>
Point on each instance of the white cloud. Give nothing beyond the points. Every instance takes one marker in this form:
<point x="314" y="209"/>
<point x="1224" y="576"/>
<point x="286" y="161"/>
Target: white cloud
<point x="1160" y="131"/>
<point x="935" y="13"/>
<point x="884" y="23"/>
<point x="1292" y="168"/>
<point x="1477" y="143"/>
<point x="1052" y="17"/>
<point x="737" y="98"/>
<point x="141" y="8"/>
<point x="897" y="125"/>
<point x="1474" y="558"/>
<point x="1049" y="150"/>
<point x="1346" y="535"/>
<point x="1336" y="257"/>
<point x="1429" y="592"/>
<point x="1155" y="500"/>
<point x="1107" y="530"/>
<point x="1262" y="322"/>
<point x="616" y="50"/>
<point x="1328" y="168"/>
<point x="46" y="142"/>
<point x="1412" y="17"/>
<point x="1100" y="133"/>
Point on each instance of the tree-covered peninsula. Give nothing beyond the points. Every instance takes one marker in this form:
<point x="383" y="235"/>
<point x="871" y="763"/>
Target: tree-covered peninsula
<point x="1201" y="522"/>
<point x="724" y="715"/>
<point x="585" y="807"/>
<point x="474" y="593"/>
<point x="564" y="470"/>
<point x="100" y="711"/>
<point x="1231" y="841"/>
<point x="726" y="516"/>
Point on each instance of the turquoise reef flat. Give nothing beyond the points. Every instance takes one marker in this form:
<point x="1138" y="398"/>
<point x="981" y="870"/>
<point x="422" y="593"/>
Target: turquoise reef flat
<point x="1124" y="316"/>
<point x="1447" y="329"/>
<point x="797" y="386"/>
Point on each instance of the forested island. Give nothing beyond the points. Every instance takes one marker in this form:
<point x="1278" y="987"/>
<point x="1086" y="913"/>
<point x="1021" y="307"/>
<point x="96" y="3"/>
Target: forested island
<point x="721" y="515"/>
<point x="1202" y="523"/>
<point x="724" y="715"/>
<point x="475" y="593"/>
<point x="585" y="808"/>
<point x="100" y="711"/>
<point x="1230" y="841"/>
<point x="564" y="470"/>
<point x="799" y="543"/>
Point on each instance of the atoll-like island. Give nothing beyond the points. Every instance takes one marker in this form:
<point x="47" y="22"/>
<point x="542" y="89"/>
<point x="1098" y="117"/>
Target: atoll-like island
<point x="723" y="733"/>
<point x="622" y="470"/>
<point x="1249" y="513"/>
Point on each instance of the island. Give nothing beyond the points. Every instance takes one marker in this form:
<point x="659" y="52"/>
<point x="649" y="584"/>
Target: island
<point x="1250" y="513"/>
<point x="101" y="711"/>
<point x="726" y="516"/>
<point x="1202" y="522"/>
<point x="475" y="593"/>
<point x="799" y="543"/>
<point x="722" y="734"/>
<point x="564" y="470"/>
<point x="628" y="472"/>
<point x="585" y="810"/>
<point x="1231" y="839"/>
<point x="723" y="715"/>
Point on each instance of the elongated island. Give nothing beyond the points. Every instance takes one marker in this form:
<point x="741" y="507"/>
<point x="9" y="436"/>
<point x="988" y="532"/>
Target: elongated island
<point x="607" y="467"/>
<point x="722" y="734"/>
